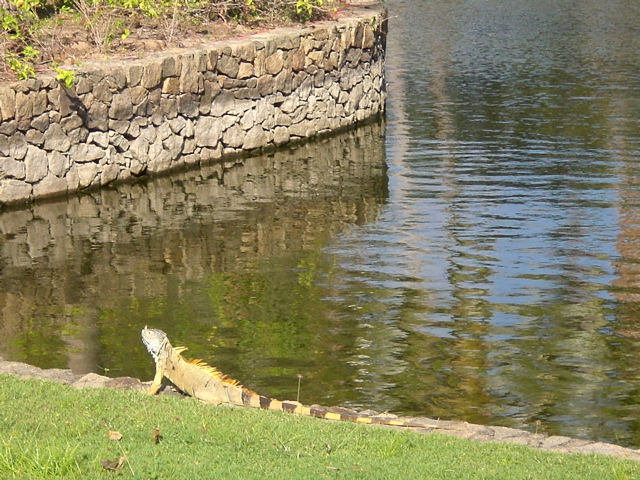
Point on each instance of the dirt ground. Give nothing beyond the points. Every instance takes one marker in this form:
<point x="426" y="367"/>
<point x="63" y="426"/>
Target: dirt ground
<point x="69" y="39"/>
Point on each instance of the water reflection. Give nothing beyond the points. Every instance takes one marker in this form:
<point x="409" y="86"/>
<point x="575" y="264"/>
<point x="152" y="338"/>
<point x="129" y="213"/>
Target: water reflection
<point x="512" y="146"/>
<point x="224" y="258"/>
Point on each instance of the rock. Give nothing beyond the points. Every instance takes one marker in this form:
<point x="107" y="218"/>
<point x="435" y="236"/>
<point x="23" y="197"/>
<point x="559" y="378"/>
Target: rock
<point x="102" y="92"/>
<point x="28" y="371"/>
<point x="245" y="70"/>
<point x="290" y="104"/>
<point x="125" y="383"/>
<point x="171" y="86"/>
<point x="212" y="59"/>
<point x="119" y="126"/>
<point x="8" y="128"/>
<point x="188" y="105"/>
<point x="282" y="119"/>
<point x="56" y="139"/>
<point x="152" y="75"/>
<point x="274" y="63"/>
<point x="78" y="135"/>
<point x="138" y="94"/>
<point x="24" y="107"/>
<point x="160" y="160"/>
<point x="109" y="174"/>
<point x="173" y="145"/>
<point x="134" y="74"/>
<point x="121" y="106"/>
<point x="255" y="138"/>
<point x="41" y="122"/>
<point x="7" y="103"/>
<point x="36" y="164"/>
<point x="248" y="120"/>
<point x="101" y="139"/>
<point x="91" y="380"/>
<point x="84" y="153"/>
<point x="40" y="102"/>
<point x="177" y="125"/>
<point x="17" y="146"/>
<point x="50" y="185"/>
<point x="265" y="85"/>
<point x="207" y="131"/>
<point x="228" y="66"/>
<point x="188" y="147"/>
<point x="170" y="66"/>
<point x="71" y="123"/>
<point x="98" y="117"/>
<point x="140" y="150"/>
<point x="14" y="191"/>
<point x="87" y="173"/>
<point x="58" y="164"/>
<point x="83" y="85"/>
<point x="281" y="136"/>
<point x="34" y="137"/>
<point x="12" y="168"/>
<point x="233" y="137"/>
<point x="120" y="142"/>
<point x="190" y="78"/>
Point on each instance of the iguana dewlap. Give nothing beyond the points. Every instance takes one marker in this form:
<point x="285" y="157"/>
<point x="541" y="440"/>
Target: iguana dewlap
<point x="208" y="385"/>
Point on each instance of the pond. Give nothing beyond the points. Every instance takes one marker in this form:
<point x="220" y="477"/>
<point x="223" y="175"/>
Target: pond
<point x="474" y="258"/>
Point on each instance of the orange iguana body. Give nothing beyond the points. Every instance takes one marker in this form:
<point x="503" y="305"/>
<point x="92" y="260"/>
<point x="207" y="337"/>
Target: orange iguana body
<point x="208" y="385"/>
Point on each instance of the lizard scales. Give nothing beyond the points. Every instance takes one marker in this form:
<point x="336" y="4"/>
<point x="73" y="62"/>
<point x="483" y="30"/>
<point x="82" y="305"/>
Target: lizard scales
<point x="205" y="383"/>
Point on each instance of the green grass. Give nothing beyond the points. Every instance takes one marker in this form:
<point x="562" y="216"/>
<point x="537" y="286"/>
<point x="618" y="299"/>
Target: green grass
<point x="52" y="431"/>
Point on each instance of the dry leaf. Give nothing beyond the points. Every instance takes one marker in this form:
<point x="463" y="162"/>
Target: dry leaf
<point x="114" y="435"/>
<point x="115" y="464"/>
<point x="156" y="436"/>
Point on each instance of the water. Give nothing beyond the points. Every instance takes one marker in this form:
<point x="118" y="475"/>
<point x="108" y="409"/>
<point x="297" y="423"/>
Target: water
<point x="512" y="144"/>
<point x="491" y="274"/>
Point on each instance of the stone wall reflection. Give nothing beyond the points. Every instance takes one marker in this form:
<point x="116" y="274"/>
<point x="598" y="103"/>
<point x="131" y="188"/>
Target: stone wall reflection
<point x="63" y="262"/>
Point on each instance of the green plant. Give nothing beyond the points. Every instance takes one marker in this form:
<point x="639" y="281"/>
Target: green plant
<point x="30" y="458"/>
<point x="19" y="17"/>
<point x="304" y="8"/>
<point x="251" y="7"/>
<point x="67" y="77"/>
<point x="23" y="64"/>
<point x="10" y="24"/>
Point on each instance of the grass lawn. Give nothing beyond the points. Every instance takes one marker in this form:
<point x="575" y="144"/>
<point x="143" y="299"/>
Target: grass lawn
<point x="52" y="431"/>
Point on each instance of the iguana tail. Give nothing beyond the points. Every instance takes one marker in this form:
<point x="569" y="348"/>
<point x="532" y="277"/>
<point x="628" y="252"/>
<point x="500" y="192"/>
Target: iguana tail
<point x="339" y="414"/>
<point x="211" y="386"/>
<point x="207" y="384"/>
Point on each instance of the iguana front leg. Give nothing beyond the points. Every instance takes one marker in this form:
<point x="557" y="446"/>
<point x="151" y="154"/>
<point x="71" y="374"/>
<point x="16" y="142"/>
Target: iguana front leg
<point x="161" y="363"/>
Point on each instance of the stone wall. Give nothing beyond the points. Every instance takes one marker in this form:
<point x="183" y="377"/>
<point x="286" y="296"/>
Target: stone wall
<point x="121" y="120"/>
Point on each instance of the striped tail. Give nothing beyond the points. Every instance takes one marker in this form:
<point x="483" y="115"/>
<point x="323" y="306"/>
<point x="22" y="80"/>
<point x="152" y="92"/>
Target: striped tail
<point x="250" y="399"/>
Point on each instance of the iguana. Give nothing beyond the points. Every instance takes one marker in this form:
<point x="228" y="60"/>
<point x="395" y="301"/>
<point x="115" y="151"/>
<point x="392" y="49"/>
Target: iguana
<point x="205" y="383"/>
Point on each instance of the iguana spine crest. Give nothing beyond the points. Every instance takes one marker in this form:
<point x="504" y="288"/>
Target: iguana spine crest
<point x="204" y="382"/>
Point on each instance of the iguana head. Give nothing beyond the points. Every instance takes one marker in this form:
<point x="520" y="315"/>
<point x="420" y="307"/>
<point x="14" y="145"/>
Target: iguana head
<point x="154" y="339"/>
